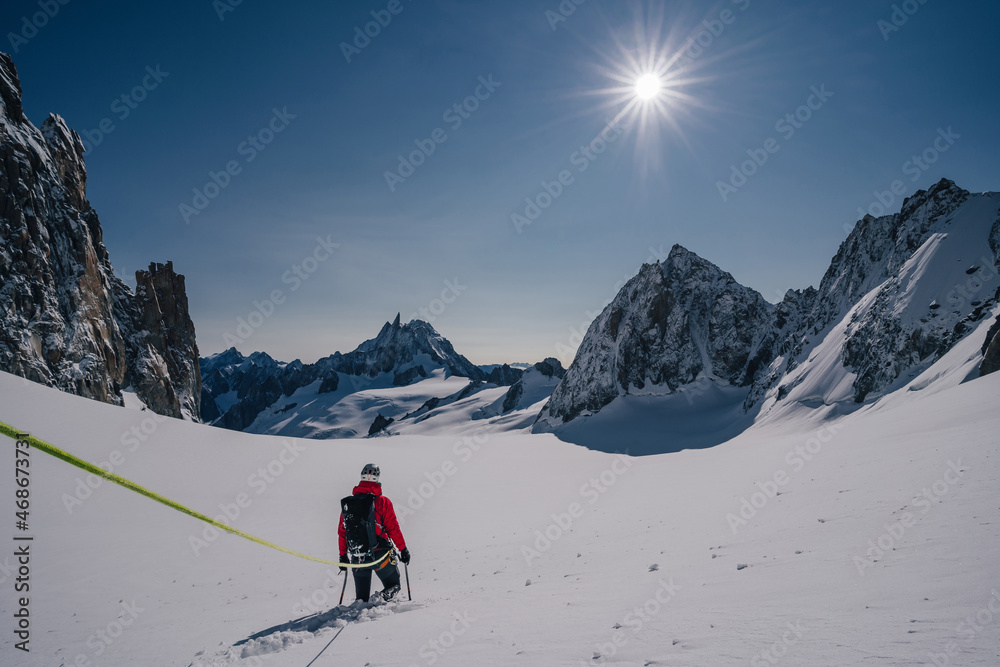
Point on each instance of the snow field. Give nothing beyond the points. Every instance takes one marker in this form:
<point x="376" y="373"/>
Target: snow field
<point x="645" y="544"/>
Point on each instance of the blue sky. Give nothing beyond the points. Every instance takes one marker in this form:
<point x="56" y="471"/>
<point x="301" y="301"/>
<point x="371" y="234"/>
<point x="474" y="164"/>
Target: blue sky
<point x="445" y="234"/>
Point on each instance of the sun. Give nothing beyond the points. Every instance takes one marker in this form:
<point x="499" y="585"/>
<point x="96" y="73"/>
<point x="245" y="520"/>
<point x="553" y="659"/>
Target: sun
<point x="651" y="82"/>
<point x="648" y="87"/>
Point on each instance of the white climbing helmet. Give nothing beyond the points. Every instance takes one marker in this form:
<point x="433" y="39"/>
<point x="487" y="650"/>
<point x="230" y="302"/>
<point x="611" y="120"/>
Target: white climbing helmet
<point x="370" y="473"/>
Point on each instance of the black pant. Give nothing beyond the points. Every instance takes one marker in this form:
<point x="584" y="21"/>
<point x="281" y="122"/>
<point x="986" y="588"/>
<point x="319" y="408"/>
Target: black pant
<point x="387" y="573"/>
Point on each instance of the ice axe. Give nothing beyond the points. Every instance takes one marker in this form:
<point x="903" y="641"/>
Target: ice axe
<point x="342" y="590"/>
<point x="406" y="568"/>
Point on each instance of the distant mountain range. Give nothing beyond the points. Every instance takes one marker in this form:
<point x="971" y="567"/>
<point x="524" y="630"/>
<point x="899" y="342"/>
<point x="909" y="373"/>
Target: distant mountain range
<point x="684" y="355"/>
<point x="405" y="372"/>
<point x="236" y="389"/>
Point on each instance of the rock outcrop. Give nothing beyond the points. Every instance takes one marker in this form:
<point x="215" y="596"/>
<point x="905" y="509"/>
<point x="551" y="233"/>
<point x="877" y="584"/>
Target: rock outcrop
<point x="676" y="321"/>
<point x="535" y="384"/>
<point x="399" y="345"/>
<point x="67" y="320"/>
<point x="991" y="350"/>
<point x="504" y="376"/>
<point x="160" y="342"/>
<point x="380" y="423"/>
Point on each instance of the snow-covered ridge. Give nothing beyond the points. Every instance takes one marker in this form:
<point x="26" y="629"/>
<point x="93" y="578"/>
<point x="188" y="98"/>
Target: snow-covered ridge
<point x="239" y="391"/>
<point x="902" y="291"/>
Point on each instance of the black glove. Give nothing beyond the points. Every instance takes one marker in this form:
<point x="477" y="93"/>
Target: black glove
<point x="404" y="556"/>
<point x="343" y="559"/>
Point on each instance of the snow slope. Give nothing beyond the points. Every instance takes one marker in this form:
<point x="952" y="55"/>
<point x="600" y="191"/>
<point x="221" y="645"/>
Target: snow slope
<point x="652" y="565"/>
<point x="931" y="302"/>
<point x="350" y="410"/>
<point x="697" y="415"/>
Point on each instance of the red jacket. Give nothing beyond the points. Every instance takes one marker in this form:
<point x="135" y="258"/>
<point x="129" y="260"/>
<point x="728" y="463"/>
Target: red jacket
<point x="386" y="524"/>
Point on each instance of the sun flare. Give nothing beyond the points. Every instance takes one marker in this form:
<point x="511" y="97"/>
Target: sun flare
<point x="653" y="83"/>
<point x="648" y="86"/>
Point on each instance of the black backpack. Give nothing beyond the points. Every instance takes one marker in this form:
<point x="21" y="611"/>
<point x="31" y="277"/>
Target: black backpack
<point x="359" y="527"/>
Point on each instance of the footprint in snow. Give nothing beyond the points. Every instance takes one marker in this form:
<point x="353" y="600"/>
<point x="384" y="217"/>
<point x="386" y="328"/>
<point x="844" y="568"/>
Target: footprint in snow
<point x="301" y="630"/>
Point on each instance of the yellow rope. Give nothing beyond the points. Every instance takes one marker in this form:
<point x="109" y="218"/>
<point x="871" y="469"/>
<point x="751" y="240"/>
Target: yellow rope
<point x="52" y="450"/>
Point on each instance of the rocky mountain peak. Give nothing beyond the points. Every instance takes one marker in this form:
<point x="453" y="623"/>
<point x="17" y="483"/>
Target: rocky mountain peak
<point x="10" y="90"/>
<point x="936" y="200"/>
<point x="550" y="367"/>
<point x="261" y="359"/>
<point x="676" y="321"/>
<point x="680" y="256"/>
<point x="67" y="320"/>
<point x="230" y="357"/>
<point x="684" y="266"/>
<point x="398" y="345"/>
